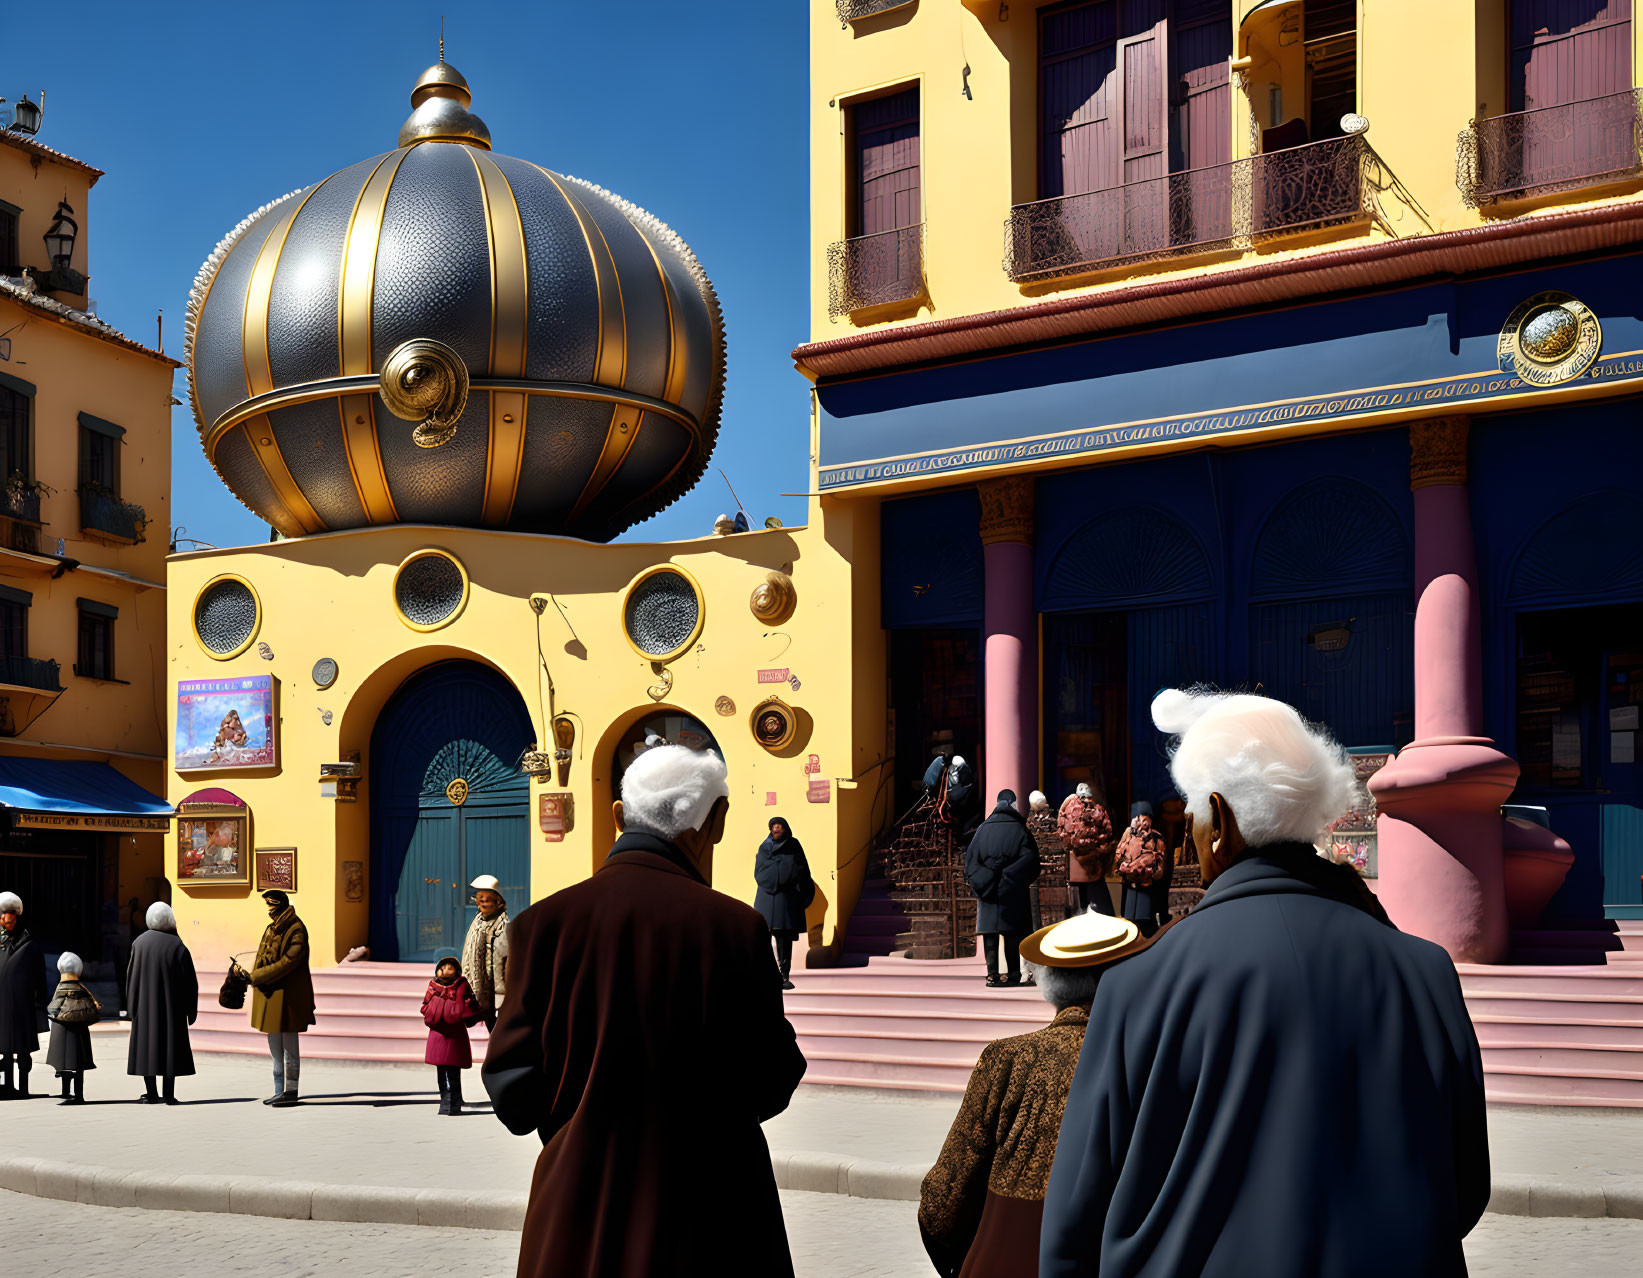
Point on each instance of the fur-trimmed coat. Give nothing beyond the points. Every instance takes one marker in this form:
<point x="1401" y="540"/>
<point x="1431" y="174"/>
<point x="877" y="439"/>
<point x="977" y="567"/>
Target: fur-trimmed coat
<point x="982" y="1203"/>
<point x="282" y="990"/>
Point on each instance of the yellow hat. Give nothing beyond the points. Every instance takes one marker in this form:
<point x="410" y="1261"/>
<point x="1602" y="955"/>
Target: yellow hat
<point x="1085" y="940"/>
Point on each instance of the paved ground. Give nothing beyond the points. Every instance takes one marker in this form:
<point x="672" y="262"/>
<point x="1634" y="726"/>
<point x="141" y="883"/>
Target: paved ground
<point x="832" y="1237"/>
<point x="377" y="1125"/>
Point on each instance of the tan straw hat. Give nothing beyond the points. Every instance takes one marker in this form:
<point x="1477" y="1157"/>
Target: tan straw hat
<point x="1085" y="940"/>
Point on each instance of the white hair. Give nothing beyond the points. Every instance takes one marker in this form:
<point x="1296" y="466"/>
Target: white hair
<point x="10" y="903"/>
<point x="1084" y="791"/>
<point x="68" y="964"/>
<point x="1284" y="780"/>
<point x="1037" y="800"/>
<point x="160" y="918"/>
<point x="1066" y="986"/>
<point x="670" y="789"/>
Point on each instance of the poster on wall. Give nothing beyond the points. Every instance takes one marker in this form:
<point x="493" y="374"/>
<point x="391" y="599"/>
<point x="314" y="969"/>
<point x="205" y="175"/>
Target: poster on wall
<point x="225" y="723"/>
<point x="276" y="869"/>
<point x="211" y="849"/>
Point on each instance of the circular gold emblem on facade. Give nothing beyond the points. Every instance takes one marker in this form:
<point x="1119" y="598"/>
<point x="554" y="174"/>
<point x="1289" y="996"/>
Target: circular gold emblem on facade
<point x="1548" y="339"/>
<point x="457" y="792"/>
<point x="725" y="706"/>
<point x="774" y="599"/>
<point x="774" y="724"/>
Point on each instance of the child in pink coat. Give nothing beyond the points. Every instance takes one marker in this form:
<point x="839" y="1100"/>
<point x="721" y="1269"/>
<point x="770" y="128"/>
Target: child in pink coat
<point x="448" y="1008"/>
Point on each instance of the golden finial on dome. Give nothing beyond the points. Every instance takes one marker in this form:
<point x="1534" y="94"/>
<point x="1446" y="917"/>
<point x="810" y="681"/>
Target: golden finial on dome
<point x="440" y="99"/>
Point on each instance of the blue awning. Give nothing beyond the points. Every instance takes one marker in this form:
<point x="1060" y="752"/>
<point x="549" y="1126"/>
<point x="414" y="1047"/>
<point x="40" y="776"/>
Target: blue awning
<point x="85" y="790"/>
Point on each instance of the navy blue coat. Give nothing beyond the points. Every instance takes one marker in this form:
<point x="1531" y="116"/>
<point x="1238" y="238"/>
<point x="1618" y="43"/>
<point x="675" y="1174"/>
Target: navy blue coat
<point x="1001" y="866"/>
<point x="785" y="888"/>
<point x="1281" y="1086"/>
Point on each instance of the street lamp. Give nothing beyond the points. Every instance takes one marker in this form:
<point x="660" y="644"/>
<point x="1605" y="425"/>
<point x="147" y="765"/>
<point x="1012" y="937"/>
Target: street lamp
<point x="60" y="238"/>
<point x="25" y="116"/>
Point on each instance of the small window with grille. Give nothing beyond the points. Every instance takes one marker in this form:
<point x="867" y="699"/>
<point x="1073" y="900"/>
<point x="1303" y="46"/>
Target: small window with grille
<point x="95" y="659"/>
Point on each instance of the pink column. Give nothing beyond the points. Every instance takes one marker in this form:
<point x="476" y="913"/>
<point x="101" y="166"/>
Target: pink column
<point x="1010" y="633"/>
<point x="1441" y="854"/>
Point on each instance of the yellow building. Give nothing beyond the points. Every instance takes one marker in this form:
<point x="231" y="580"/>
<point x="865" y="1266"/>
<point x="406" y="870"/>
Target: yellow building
<point x="447" y="376"/>
<point x="1286" y="344"/>
<point x="85" y="454"/>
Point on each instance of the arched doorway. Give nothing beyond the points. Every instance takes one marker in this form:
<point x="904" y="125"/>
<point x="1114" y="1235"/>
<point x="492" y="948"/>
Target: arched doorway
<point x="448" y="802"/>
<point x="671" y="727"/>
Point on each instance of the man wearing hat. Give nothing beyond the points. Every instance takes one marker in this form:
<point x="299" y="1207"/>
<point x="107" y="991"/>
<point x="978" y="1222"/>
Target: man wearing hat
<point x="643" y="1040"/>
<point x="1001" y="866"/>
<point x="982" y="1203"/>
<point x="282" y="993"/>
<point x="485" y="948"/>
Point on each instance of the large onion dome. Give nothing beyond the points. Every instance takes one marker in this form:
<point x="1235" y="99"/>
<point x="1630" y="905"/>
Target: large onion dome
<point x="443" y="335"/>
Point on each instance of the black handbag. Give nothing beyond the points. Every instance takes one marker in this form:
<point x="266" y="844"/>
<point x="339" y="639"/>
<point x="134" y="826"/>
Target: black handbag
<point x="232" y="994"/>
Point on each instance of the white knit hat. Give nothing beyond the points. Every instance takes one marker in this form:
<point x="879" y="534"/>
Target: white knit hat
<point x="10" y="903"/>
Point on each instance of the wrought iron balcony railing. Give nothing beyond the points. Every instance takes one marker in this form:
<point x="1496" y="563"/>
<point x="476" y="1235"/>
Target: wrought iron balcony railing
<point x="1556" y="148"/>
<point x="1221" y="206"/>
<point x="853" y="10"/>
<point x="20" y="499"/>
<point x="875" y="270"/>
<point x="102" y="511"/>
<point x="31" y="672"/>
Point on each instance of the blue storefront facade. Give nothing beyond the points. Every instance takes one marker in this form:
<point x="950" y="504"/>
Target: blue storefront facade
<point x="1230" y="502"/>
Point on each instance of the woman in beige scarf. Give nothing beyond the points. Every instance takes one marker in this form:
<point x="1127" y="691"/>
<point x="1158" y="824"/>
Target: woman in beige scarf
<point x="485" y="950"/>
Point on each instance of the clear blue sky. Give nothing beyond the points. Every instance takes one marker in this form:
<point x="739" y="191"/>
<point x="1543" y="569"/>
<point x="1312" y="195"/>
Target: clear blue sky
<point x="202" y="112"/>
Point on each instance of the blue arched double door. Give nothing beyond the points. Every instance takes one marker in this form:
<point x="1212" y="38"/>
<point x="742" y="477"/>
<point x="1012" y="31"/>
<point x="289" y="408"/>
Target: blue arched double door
<point x="448" y="803"/>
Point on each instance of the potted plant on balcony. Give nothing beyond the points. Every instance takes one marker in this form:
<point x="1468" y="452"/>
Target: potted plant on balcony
<point x="22" y="497"/>
<point x="104" y="513"/>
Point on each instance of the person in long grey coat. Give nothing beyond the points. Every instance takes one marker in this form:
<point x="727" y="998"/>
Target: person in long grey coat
<point x="163" y="995"/>
<point x="22" y="997"/>
<point x="785" y="891"/>
<point x="1001" y="866"/>
<point x="1278" y="1043"/>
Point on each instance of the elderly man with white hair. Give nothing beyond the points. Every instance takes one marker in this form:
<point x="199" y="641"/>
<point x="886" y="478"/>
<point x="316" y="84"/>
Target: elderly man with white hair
<point x="163" y="996"/>
<point x="1284" y="1084"/>
<point x="22" y="997"/>
<point x="642" y="1038"/>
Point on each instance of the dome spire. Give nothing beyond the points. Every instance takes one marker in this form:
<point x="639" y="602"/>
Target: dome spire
<point x="440" y="100"/>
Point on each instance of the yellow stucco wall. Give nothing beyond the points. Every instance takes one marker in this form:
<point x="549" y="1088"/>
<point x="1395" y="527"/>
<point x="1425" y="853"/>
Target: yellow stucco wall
<point x="78" y="371"/>
<point x="1425" y="69"/>
<point x="331" y="596"/>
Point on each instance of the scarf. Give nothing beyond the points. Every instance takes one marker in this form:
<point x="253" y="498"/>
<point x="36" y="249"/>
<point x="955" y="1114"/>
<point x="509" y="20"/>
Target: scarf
<point x="479" y="954"/>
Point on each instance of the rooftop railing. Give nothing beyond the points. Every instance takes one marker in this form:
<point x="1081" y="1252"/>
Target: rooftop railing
<point x="875" y="270"/>
<point x="1223" y="206"/>
<point x="853" y="10"/>
<point x="1549" y="149"/>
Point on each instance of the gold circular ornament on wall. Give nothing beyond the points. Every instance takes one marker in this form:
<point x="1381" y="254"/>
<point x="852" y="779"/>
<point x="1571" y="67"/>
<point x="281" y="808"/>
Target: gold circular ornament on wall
<point x="1549" y="339"/>
<point x="227" y="616"/>
<point x="430" y="590"/>
<point x="457" y="791"/>
<point x="663" y="613"/>
<point x="725" y="707"/>
<point x="774" y="599"/>
<point x="774" y="723"/>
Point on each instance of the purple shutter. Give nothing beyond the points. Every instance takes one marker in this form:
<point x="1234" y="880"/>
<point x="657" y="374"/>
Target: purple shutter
<point x="1200" y="122"/>
<point x="887" y="164"/>
<point x="1566" y="51"/>
<point x="1078" y="143"/>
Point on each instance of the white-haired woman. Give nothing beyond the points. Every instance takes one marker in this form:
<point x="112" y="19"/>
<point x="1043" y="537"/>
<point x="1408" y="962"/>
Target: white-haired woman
<point x="72" y="1012"/>
<point x="163" y="995"/>
<point x="1281" y="1037"/>
<point x="22" y="997"/>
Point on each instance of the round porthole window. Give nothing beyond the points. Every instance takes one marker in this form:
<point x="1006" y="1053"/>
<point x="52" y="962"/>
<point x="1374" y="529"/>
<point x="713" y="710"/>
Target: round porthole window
<point x="663" y="613"/>
<point x="227" y="615"/>
<point x="430" y="590"/>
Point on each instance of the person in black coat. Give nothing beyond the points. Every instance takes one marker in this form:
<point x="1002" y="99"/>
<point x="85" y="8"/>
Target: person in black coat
<point x="163" y="993"/>
<point x="1281" y="1040"/>
<point x="785" y="891"/>
<point x="1001" y="866"/>
<point x="22" y="997"/>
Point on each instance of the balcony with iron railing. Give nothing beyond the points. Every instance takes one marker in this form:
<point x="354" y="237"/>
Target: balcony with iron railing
<point x="854" y="10"/>
<point x="20" y="499"/>
<point x="870" y="271"/>
<point x="103" y="513"/>
<point x="1221" y="207"/>
<point x="30" y="672"/>
<point x="1550" y="149"/>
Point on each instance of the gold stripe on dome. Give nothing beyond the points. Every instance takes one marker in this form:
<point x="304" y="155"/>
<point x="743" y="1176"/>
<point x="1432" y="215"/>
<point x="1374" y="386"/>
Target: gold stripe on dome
<point x="259" y="294"/>
<point x="678" y="352"/>
<point x="510" y="316"/>
<point x="359" y="257"/>
<point x="303" y="517"/>
<point x="619" y="437"/>
<point x="610" y="360"/>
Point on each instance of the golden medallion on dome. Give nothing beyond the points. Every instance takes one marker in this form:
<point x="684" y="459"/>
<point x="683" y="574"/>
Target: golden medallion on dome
<point x="1549" y="339"/>
<point x="457" y="791"/>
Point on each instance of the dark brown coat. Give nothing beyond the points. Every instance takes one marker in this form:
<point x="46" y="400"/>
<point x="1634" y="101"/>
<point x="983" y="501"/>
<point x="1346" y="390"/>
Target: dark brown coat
<point x="643" y="1039"/>
<point x="982" y="1202"/>
<point x="282" y="990"/>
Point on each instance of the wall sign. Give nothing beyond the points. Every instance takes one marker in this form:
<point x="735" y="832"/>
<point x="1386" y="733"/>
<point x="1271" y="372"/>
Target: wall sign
<point x="556" y="814"/>
<point x="92" y="821"/>
<point x="225" y="723"/>
<point x="774" y="676"/>
<point x="820" y="792"/>
<point x="276" y="869"/>
<point x="211" y="848"/>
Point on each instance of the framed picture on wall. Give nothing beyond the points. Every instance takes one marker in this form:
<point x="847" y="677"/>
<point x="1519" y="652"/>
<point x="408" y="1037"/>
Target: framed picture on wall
<point x="276" y="868"/>
<point x="211" y="847"/>
<point x="226" y="723"/>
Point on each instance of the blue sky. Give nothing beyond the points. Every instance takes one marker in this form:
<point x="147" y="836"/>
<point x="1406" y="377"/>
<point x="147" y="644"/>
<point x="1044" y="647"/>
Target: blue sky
<point x="202" y="112"/>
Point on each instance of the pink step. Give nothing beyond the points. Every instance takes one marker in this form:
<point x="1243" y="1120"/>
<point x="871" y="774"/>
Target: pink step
<point x="1550" y="1009"/>
<point x="1542" y="1089"/>
<point x="1566" y="1061"/>
<point x="1609" y="982"/>
<point x="905" y="1004"/>
<point x="1503" y="1034"/>
<point x="983" y="1030"/>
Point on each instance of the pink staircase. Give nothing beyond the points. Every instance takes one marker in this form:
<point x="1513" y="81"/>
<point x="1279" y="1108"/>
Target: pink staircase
<point x="1552" y="1033"/>
<point x="877" y="922"/>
